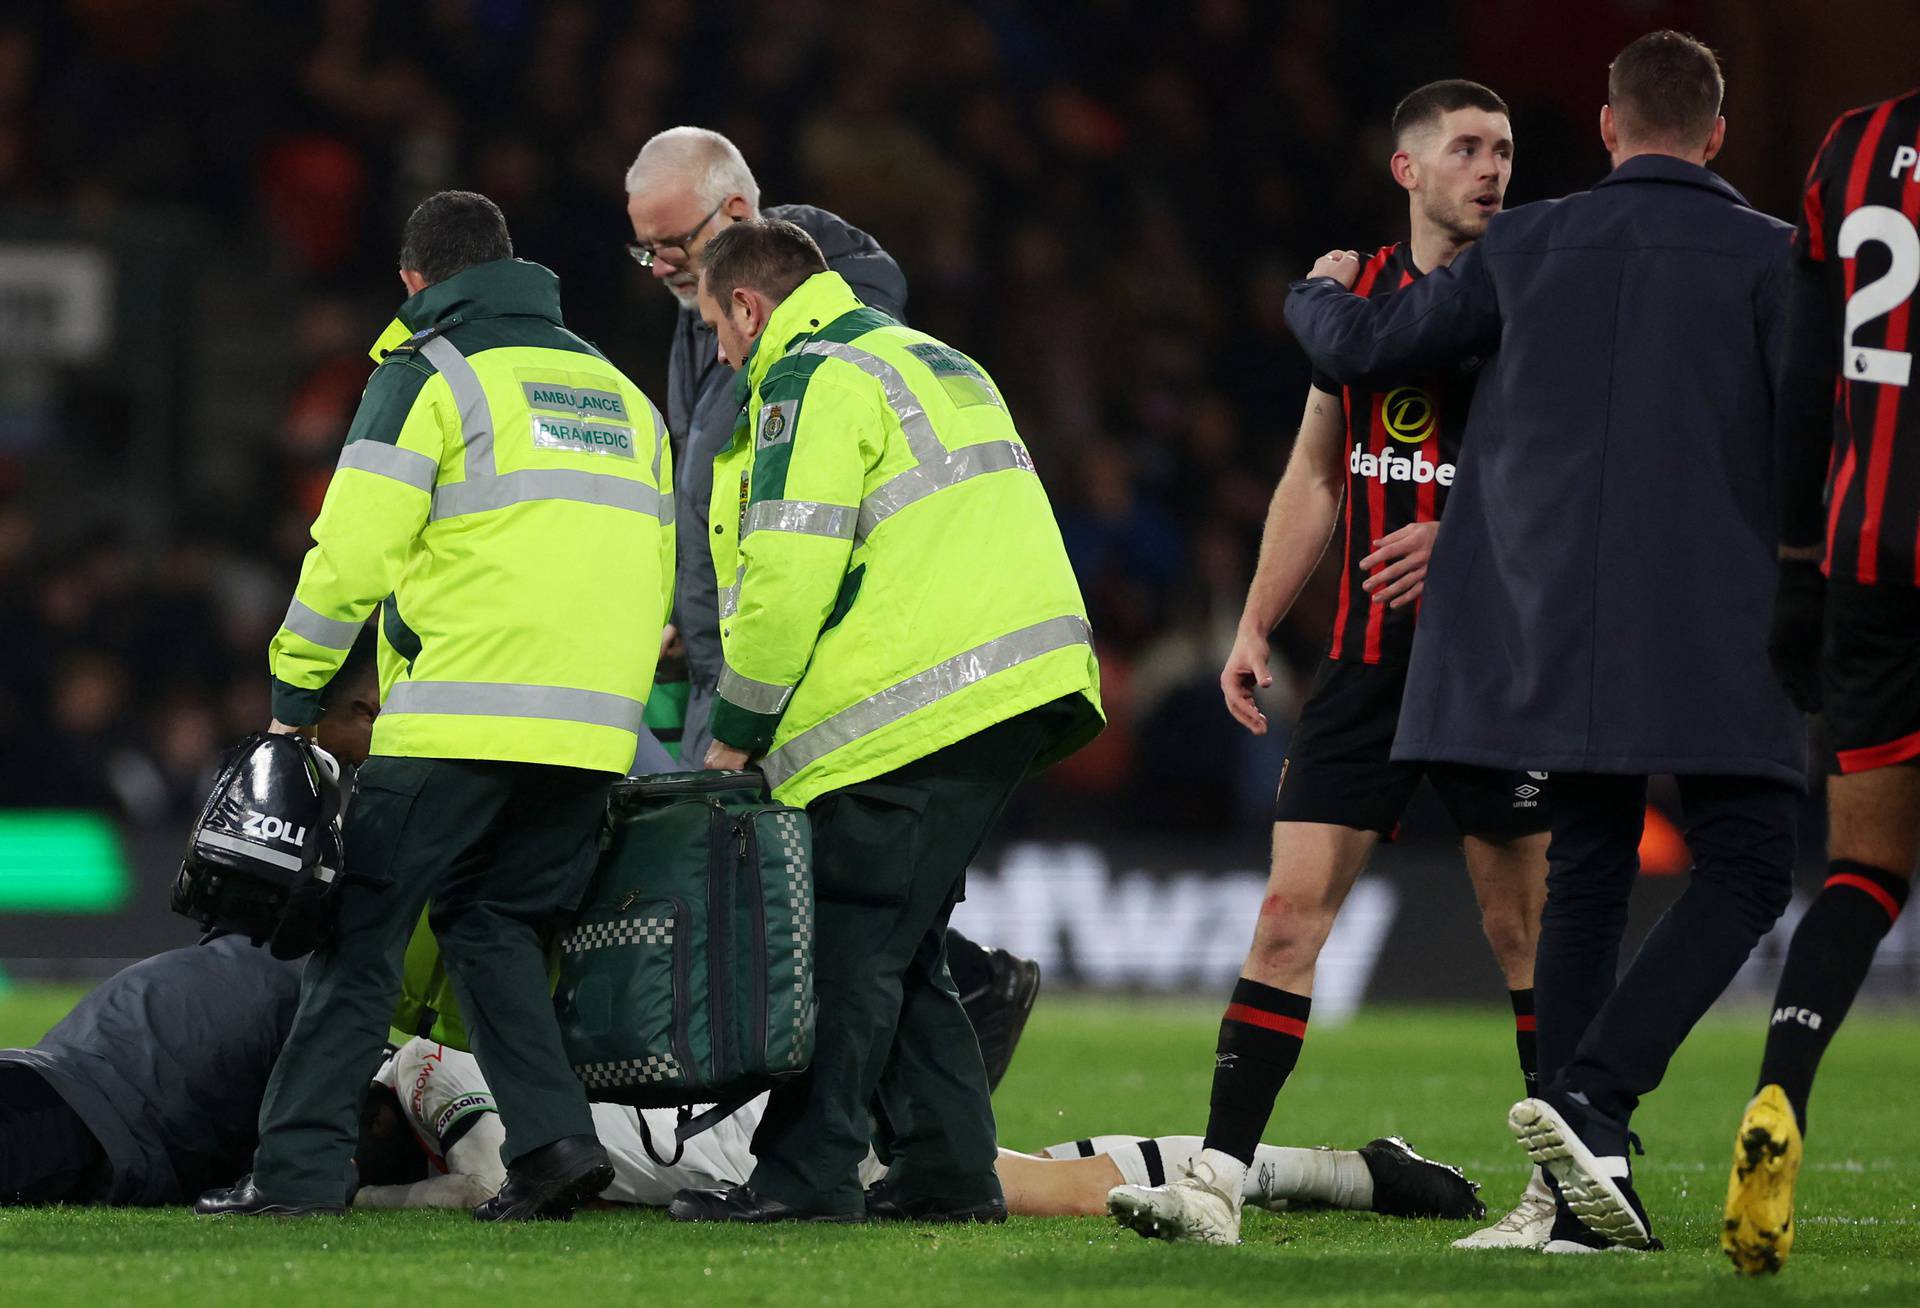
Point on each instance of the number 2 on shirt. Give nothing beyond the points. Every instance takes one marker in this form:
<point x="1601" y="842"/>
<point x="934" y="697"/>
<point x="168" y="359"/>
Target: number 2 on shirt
<point x="1891" y="228"/>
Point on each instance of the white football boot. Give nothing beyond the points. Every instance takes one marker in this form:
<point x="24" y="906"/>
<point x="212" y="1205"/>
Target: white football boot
<point x="1202" y="1206"/>
<point x="1526" y="1227"/>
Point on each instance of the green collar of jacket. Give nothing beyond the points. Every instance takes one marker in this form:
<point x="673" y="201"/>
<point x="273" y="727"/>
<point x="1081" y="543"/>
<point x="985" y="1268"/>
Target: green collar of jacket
<point x="487" y="290"/>
<point x="817" y="301"/>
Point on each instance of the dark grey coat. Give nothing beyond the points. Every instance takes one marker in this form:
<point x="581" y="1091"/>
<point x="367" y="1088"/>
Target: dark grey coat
<point x="700" y="414"/>
<point x="1599" y="594"/>
<point x="167" y="1062"/>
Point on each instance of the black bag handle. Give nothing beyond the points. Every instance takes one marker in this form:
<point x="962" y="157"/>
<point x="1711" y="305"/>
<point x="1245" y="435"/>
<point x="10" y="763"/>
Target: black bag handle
<point x="687" y="1126"/>
<point x="679" y="1140"/>
<point x="666" y="786"/>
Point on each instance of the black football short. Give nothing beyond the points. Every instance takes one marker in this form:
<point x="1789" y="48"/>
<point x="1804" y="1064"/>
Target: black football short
<point x="1870" y="675"/>
<point x="1339" y="768"/>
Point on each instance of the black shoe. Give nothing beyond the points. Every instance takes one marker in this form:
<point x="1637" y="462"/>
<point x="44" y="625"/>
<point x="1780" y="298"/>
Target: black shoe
<point x="243" y="1199"/>
<point x="549" y="1183"/>
<point x="1570" y="1236"/>
<point x="739" y="1204"/>
<point x="1407" y="1185"/>
<point x="998" y="1006"/>
<point x="1586" y="1153"/>
<point x="884" y="1205"/>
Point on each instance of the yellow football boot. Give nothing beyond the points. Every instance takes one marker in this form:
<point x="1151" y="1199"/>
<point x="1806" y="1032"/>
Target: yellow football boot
<point x="1758" y="1233"/>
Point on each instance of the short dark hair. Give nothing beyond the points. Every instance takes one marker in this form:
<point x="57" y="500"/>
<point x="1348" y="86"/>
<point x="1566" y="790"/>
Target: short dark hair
<point x="1666" y="87"/>
<point x="451" y="232"/>
<point x="768" y="255"/>
<point x="1423" y="106"/>
<point x="388" y="1152"/>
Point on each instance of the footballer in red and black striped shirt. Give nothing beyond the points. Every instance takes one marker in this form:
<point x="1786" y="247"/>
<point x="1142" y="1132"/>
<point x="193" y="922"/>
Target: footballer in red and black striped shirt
<point x="1850" y="422"/>
<point x="1368" y="478"/>
<point x="1369" y="472"/>
<point x="1402" y="442"/>
<point x="1858" y="234"/>
<point x="1846" y="623"/>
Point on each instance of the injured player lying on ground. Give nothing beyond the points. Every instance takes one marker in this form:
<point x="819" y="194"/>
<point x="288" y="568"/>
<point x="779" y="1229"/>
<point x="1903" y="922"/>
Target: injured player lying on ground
<point x="430" y="1138"/>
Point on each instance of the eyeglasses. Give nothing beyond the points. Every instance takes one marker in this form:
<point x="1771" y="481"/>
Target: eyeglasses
<point x="645" y="252"/>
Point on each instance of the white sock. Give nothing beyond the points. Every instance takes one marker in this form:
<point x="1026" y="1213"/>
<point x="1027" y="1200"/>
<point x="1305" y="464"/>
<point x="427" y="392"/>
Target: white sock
<point x="1093" y="1144"/>
<point x="1229" y="1171"/>
<point x="1336" y="1177"/>
<point x="1150" y="1162"/>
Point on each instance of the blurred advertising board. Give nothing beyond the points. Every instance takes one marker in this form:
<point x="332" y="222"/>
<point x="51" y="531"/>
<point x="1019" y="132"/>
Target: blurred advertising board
<point x="1129" y="916"/>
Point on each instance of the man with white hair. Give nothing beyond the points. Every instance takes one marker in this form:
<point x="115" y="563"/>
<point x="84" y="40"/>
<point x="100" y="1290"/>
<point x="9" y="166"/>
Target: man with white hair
<point x="687" y="184"/>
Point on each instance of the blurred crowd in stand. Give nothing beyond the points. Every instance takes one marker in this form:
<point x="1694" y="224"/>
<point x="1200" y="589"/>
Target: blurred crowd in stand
<point x="1102" y="201"/>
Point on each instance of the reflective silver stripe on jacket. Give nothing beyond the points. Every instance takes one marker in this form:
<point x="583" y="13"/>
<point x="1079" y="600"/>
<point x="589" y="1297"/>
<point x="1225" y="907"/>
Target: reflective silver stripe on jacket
<point x="900" y="397"/>
<point x="501" y="699"/>
<point x="328" y="633"/>
<point x="409" y="467"/>
<point x="476" y="416"/>
<point x="485" y="489"/>
<point x="938" y="467"/>
<point x="496" y="492"/>
<point x="806" y="517"/>
<point x="950" y="469"/>
<point x="753" y="696"/>
<point x="730" y="597"/>
<point x="921" y="690"/>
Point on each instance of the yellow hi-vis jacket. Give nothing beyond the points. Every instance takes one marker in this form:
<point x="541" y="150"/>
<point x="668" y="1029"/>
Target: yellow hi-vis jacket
<point x="892" y="578"/>
<point x="504" y="500"/>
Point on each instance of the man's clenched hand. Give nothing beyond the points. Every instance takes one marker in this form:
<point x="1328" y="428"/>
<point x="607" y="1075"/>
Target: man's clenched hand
<point x="1793" y="642"/>
<point x="724" y="758"/>
<point x="1341" y="265"/>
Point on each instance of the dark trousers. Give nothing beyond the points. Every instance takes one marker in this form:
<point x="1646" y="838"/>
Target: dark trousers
<point x="890" y="862"/>
<point x="505" y="852"/>
<point x="1613" y="1041"/>
<point x="47" y="1155"/>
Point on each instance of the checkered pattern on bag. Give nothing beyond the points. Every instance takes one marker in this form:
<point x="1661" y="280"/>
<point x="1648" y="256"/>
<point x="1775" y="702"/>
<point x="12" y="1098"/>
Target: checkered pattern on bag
<point x="624" y="931"/>
<point x="800" y="905"/>
<point x="651" y="1070"/>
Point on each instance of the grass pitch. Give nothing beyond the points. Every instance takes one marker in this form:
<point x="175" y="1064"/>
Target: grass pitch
<point x="1441" y="1077"/>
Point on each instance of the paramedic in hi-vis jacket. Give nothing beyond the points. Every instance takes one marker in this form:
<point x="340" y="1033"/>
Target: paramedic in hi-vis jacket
<point x="904" y="642"/>
<point x="503" y="500"/>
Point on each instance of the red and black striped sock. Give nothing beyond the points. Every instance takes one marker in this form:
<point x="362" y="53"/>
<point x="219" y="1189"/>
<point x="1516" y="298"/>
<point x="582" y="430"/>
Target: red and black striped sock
<point x="1260" y="1039"/>
<point x="1523" y="1028"/>
<point x="1826" y="963"/>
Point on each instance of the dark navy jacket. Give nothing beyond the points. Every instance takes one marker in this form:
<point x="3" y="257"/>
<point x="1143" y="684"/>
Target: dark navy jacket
<point x="167" y="1063"/>
<point x="701" y="409"/>
<point x="1599" y="594"/>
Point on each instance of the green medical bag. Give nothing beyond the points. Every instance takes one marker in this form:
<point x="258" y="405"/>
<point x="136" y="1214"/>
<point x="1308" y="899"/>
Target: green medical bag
<point x="687" y="977"/>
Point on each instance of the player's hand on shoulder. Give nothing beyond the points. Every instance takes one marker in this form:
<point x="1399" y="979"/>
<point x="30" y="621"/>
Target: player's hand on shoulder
<point x="1397" y="568"/>
<point x="1341" y="265"/>
<point x="1246" y="668"/>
